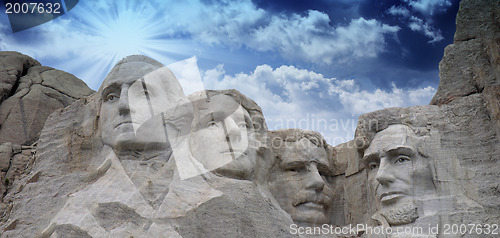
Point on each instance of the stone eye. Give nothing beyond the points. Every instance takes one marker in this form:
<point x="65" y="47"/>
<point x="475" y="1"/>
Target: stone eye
<point x="111" y="97"/>
<point x="402" y="159"/>
<point x="211" y="124"/>
<point x="297" y="169"/>
<point x="373" y="165"/>
<point x="144" y="93"/>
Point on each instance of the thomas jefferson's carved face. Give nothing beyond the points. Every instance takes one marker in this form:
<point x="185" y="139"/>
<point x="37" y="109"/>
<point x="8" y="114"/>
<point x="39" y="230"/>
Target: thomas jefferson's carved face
<point x="299" y="182"/>
<point x="220" y="138"/>
<point x="397" y="172"/>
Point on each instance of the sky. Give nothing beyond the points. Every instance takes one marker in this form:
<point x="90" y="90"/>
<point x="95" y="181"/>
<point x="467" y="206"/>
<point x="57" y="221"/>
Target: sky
<point x="315" y="65"/>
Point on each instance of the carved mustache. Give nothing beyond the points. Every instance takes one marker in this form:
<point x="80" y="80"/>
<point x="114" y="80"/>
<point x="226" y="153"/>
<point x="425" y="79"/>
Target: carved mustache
<point x="304" y="197"/>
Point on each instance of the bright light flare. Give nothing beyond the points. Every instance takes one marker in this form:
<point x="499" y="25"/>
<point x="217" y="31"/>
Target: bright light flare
<point x="125" y="35"/>
<point x="116" y="29"/>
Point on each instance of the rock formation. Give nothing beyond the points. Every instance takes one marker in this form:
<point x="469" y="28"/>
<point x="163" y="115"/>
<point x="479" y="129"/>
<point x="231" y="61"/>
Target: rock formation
<point x="141" y="159"/>
<point x="462" y="124"/>
<point x="29" y="93"/>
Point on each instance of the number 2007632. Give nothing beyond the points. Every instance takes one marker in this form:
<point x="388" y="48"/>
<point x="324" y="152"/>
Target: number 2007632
<point x="41" y="8"/>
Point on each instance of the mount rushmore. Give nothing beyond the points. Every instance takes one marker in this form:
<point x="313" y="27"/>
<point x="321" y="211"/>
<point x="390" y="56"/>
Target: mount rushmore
<point x="139" y="158"/>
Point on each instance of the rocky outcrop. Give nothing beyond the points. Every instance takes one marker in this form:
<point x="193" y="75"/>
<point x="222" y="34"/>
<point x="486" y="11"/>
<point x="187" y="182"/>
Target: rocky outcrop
<point x="13" y="65"/>
<point x="469" y="98"/>
<point x="472" y="63"/>
<point x="29" y="93"/>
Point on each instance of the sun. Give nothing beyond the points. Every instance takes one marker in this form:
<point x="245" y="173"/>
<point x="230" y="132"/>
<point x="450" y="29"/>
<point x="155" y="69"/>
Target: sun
<point x="125" y="34"/>
<point x="115" y="29"/>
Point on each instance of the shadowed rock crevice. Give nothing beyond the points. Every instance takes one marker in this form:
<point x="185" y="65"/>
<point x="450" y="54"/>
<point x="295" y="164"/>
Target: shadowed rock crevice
<point x="14" y="88"/>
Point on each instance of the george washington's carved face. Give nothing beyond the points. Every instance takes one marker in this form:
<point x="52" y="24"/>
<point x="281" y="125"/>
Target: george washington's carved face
<point x="130" y="100"/>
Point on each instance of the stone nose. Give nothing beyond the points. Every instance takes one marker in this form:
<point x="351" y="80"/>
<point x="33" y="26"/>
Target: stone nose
<point x="314" y="180"/>
<point x="123" y="103"/>
<point x="384" y="175"/>
<point x="232" y="130"/>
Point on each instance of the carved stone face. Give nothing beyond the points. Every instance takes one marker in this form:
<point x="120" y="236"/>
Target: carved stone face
<point x="128" y="101"/>
<point x="299" y="182"/>
<point x="220" y="137"/>
<point x="397" y="172"/>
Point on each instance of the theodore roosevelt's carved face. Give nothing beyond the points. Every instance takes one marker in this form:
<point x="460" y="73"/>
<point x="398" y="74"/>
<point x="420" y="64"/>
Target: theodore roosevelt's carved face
<point x="299" y="182"/>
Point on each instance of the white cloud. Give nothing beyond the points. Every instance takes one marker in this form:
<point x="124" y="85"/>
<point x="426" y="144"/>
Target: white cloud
<point x="311" y="37"/>
<point x="224" y="22"/>
<point x="399" y="11"/>
<point x="364" y="101"/>
<point x="53" y="40"/>
<point x="363" y="37"/>
<point x="417" y="24"/>
<point x="188" y="75"/>
<point x="89" y="39"/>
<point x="298" y="98"/>
<point x="425" y="7"/>
<point x="429" y="7"/>
<point x="3" y="37"/>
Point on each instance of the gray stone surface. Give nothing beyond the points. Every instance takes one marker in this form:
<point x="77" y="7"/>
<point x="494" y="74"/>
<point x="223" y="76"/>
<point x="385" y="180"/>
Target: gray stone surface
<point x="464" y="120"/>
<point x="31" y="92"/>
<point x="13" y="65"/>
<point x="471" y="122"/>
<point x="471" y="64"/>
<point x="477" y="19"/>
